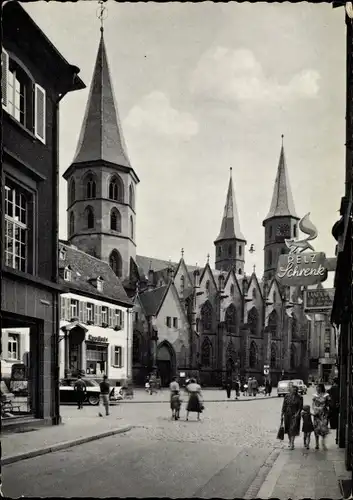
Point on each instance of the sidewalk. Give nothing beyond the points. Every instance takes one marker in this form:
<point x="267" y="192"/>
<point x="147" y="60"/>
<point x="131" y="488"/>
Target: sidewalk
<point x="305" y="473"/>
<point x="73" y="431"/>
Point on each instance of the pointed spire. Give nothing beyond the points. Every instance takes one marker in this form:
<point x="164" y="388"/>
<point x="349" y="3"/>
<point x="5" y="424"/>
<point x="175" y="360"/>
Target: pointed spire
<point x="101" y="136"/>
<point x="282" y="200"/>
<point x="230" y="227"/>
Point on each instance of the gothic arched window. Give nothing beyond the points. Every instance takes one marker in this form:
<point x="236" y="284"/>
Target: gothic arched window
<point x="115" y="220"/>
<point x="116" y="189"/>
<point x="116" y="263"/>
<point x="273" y="359"/>
<point x="89" y="216"/>
<point x="91" y="187"/>
<point x="131" y="227"/>
<point x="72" y="224"/>
<point x="182" y="283"/>
<point x="206" y="316"/>
<point x="274" y="297"/>
<point x="239" y="271"/>
<point x="232" y="290"/>
<point x="293" y="356"/>
<point x="206" y="352"/>
<point x="229" y="250"/>
<point x="219" y="251"/>
<point x="273" y="322"/>
<point x="207" y="287"/>
<point x="253" y="355"/>
<point x="72" y="192"/>
<point x="254" y="294"/>
<point x="131" y="197"/>
<point x="253" y="320"/>
<point x="231" y="319"/>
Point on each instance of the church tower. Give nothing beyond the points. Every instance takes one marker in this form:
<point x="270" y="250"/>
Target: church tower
<point x="101" y="182"/>
<point x="281" y="222"/>
<point x="230" y="244"/>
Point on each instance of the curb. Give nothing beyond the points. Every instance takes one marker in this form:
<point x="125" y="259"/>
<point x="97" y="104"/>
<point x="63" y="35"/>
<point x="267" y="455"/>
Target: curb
<point x="131" y="401"/>
<point x="62" y="446"/>
<point x="256" y="488"/>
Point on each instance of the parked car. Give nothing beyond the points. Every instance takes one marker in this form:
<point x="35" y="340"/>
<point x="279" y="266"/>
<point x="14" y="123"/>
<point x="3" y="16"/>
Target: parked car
<point x="67" y="391"/>
<point x="283" y="388"/>
<point x="302" y="388"/>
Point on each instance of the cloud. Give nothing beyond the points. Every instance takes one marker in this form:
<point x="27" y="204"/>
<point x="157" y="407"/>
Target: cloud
<point x="225" y="74"/>
<point x="155" y="113"/>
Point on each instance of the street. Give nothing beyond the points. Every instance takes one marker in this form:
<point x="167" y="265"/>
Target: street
<point x="218" y="457"/>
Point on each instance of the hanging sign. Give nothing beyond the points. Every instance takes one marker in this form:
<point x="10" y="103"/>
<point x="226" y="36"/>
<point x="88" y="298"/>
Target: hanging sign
<point x="319" y="300"/>
<point x="301" y="267"/>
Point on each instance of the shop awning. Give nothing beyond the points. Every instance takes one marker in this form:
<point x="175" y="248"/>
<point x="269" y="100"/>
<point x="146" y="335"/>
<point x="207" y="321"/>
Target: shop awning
<point x="74" y="324"/>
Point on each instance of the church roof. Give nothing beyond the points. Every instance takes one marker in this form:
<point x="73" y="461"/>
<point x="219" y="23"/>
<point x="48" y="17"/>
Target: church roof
<point x="282" y="203"/>
<point x="101" y="136"/>
<point x="152" y="299"/>
<point x="230" y="227"/>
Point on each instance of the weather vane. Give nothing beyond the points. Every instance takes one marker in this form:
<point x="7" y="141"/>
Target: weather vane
<point x="102" y="13"/>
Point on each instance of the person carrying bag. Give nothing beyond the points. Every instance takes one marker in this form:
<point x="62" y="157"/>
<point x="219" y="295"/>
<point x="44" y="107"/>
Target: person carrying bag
<point x="280" y="433"/>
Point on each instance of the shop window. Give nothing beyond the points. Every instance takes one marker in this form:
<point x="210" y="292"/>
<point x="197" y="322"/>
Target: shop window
<point x="96" y="359"/>
<point x="90" y="312"/>
<point x="169" y="321"/>
<point x="13" y="347"/>
<point x="175" y="322"/>
<point x="117" y="356"/>
<point x="18" y="228"/>
<point x="74" y="308"/>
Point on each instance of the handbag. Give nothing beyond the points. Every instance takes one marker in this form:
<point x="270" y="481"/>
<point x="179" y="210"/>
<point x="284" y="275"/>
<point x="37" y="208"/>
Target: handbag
<point x="280" y="433"/>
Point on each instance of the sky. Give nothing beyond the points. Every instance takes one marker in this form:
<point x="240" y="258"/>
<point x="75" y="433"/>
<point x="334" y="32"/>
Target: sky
<point x="202" y="87"/>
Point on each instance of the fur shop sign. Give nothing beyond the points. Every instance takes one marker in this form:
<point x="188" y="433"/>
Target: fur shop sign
<point x="301" y="267"/>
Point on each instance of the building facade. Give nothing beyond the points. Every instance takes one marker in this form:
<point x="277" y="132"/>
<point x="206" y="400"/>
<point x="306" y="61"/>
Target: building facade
<point x="95" y="323"/>
<point x="35" y="77"/>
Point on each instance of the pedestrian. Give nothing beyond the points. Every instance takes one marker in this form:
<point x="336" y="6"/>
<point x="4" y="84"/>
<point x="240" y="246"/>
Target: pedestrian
<point x="269" y="387"/>
<point x="334" y="403"/>
<point x="175" y="404"/>
<point x="147" y="386"/>
<point x="255" y="387"/>
<point x="249" y="390"/>
<point x="153" y="383"/>
<point x="291" y="413"/>
<point x="194" y="404"/>
<point x="80" y="388"/>
<point x="237" y="388"/>
<point x="321" y="412"/>
<point x="104" y="395"/>
<point x="228" y="388"/>
<point x="308" y="426"/>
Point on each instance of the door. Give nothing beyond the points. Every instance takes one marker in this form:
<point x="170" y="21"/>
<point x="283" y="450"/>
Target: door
<point x="165" y="372"/>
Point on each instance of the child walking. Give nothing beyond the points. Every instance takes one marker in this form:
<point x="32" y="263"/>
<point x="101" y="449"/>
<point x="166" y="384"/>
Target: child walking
<point x="308" y="426"/>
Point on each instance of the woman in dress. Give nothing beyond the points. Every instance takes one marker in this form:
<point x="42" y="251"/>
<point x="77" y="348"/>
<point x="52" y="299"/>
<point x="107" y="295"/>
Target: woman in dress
<point x="194" y="403"/>
<point x="321" y="412"/>
<point x="291" y="414"/>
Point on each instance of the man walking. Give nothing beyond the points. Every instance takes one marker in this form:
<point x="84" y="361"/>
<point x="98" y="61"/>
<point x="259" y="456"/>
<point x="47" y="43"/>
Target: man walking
<point x="80" y="389"/>
<point x="104" y="396"/>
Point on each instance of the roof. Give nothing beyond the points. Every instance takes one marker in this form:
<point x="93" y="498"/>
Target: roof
<point x="152" y="299"/>
<point x="85" y="268"/>
<point x="282" y="203"/>
<point x="230" y="227"/>
<point x="101" y="135"/>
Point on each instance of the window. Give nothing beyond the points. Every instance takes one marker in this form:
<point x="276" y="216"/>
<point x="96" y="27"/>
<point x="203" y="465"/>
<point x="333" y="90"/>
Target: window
<point x="90" y="312"/>
<point x="119" y="318"/>
<point x="17" y="234"/>
<point x="22" y="98"/>
<point x="207" y="287"/>
<point x="175" y="322"/>
<point x="219" y="251"/>
<point x="182" y="283"/>
<point x="274" y="297"/>
<point x="240" y="250"/>
<point x="253" y="319"/>
<point x="229" y="250"/>
<point x="132" y="196"/>
<point x="239" y="271"/>
<point x="254" y="293"/>
<point x="99" y="284"/>
<point x="104" y="315"/>
<point x="116" y="189"/>
<point x="62" y="254"/>
<point x="115" y="262"/>
<point x="295" y="231"/>
<point x="206" y="353"/>
<point x="169" y="321"/>
<point x="253" y="355"/>
<point x="118" y="356"/>
<point x="89" y="217"/>
<point x="206" y="316"/>
<point x="115" y="220"/>
<point x="67" y="273"/>
<point x="131" y="227"/>
<point x="232" y="290"/>
<point x="71" y="223"/>
<point x="91" y="187"/>
<point x="74" y="308"/>
<point x="13" y="347"/>
<point x="72" y="192"/>
<point x="231" y="319"/>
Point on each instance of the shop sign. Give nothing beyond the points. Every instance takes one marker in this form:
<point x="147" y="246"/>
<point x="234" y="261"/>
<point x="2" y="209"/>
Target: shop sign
<point x="319" y="300"/>
<point x="103" y="340"/>
<point x="301" y="267"/>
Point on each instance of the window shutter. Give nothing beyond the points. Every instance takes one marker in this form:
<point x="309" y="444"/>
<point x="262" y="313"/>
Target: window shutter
<point x="113" y="355"/>
<point x="110" y="316"/>
<point x="67" y="309"/>
<point x="96" y="319"/>
<point x="85" y="316"/>
<point x="121" y="357"/>
<point x="122" y="314"/>
<point x="62" y="307"/>
<point x="114" y="318"/>
<point x="99" y="315"/>
<point x="4" y="77"/>
<point x="80" y="310"/>
<point x="39" y="113"/>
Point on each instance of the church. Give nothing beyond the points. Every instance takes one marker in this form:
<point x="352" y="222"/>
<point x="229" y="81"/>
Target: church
<point x="212" y="321"/>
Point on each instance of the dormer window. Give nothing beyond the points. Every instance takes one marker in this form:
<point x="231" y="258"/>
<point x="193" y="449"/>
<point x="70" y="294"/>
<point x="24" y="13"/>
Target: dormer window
<point x="100" y="284"/>
<point x="62" y="254"/>
<point x="67" y="273"/>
